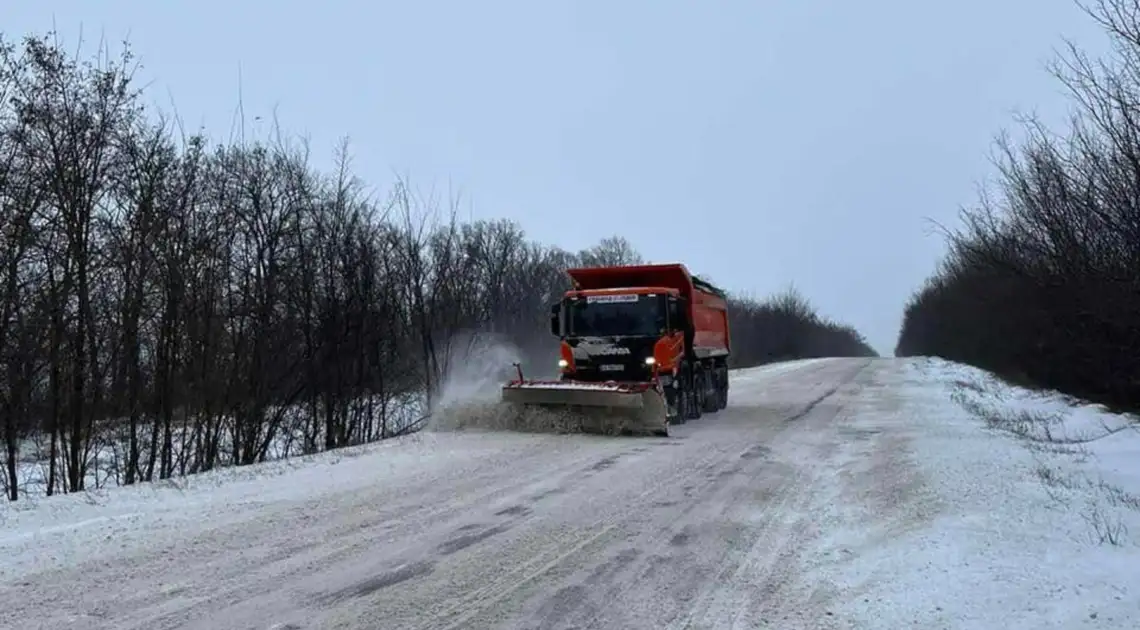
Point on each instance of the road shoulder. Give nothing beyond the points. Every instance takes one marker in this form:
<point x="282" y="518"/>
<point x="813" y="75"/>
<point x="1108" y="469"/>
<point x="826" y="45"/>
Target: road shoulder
<point x="948" y="518"/>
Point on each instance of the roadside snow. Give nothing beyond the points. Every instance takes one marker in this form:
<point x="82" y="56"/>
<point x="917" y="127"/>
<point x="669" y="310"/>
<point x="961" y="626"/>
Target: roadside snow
<point x="83" y="526"/>
<point x="1028" y="515"/>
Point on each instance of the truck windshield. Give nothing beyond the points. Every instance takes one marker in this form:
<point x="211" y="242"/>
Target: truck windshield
<point x="633" y="316"/>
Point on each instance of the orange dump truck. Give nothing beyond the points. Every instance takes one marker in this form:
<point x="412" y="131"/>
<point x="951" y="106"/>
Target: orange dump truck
<point x="643" y="347"/>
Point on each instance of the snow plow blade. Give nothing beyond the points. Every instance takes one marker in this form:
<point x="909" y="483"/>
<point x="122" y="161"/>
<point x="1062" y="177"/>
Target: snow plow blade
<point x="603" y="408"/>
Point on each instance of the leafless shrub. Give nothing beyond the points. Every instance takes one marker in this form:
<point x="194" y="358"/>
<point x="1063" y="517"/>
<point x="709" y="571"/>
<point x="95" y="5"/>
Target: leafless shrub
<point x="1054" y="476"/>
<point x="1036" y="428"/>
<point x="1105" y="528"/>
<point x="1056" y="483"/>
<point x="1117" y="496"/>
<point x="1105" y="525"/>
<point x="1077" y="452"/>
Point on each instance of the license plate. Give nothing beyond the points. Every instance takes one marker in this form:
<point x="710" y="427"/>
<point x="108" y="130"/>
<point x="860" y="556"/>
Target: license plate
<point x="612" y="367"/>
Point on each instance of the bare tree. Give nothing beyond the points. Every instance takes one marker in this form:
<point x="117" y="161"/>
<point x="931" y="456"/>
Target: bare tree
<point x="20" y="203"/>
<point x="68" y="114"/>
<point x="1040" y="285"/>
<point x="613" y="250"/>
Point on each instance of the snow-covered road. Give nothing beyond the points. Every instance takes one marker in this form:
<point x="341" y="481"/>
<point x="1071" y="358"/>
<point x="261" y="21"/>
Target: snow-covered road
<point x="828" y="495"/>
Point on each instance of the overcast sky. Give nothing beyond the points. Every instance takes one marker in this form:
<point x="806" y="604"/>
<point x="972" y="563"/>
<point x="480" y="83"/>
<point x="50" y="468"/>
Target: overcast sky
<point x="762" y="142"/>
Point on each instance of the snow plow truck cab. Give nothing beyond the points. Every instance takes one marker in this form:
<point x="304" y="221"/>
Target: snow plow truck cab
<point x="642" y="347"/>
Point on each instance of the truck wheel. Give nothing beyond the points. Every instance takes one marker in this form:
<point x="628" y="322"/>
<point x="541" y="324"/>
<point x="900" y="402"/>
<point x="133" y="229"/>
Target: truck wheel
<point x="711" y="389"/>
<point x="691" y="393"/>
<point x="675" y="405"/>
<point x="693" y="406"/>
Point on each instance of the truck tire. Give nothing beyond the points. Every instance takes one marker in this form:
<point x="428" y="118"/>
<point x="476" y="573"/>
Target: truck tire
<point x="690" y="394"/>
<point x="710" y="385"/>
<point x="722" y="389"/>
<point x="694" y="405"/>
<point x="675" y="405"/>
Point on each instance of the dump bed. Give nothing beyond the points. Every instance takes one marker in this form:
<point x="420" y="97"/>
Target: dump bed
<point x="708" y="308"/>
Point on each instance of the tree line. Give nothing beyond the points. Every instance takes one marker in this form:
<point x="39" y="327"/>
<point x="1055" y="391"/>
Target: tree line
<point x="171" y="304"/>
<point x="1042" y="281"/>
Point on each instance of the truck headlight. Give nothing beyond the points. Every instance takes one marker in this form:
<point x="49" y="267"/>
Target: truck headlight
<point x="650" y="361"/>
<point x="563" y="363"/>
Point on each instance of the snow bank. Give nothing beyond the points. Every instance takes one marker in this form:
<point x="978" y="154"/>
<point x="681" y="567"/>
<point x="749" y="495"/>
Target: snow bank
<point x="1027" y="515"/>
<point x="1102" y="448"/>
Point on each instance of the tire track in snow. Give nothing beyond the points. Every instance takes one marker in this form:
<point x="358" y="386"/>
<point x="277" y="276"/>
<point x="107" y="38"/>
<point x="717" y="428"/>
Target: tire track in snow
<point x="726" y="482"/>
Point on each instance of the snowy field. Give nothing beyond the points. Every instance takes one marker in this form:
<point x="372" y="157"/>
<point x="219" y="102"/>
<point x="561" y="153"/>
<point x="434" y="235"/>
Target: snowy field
<point x="853" y="494"/>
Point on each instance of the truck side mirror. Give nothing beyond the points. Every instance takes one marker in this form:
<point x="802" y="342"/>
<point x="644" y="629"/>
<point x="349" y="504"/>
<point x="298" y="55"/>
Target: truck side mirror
<point x="556" y="319"/>
<point x="676" y="314"/>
